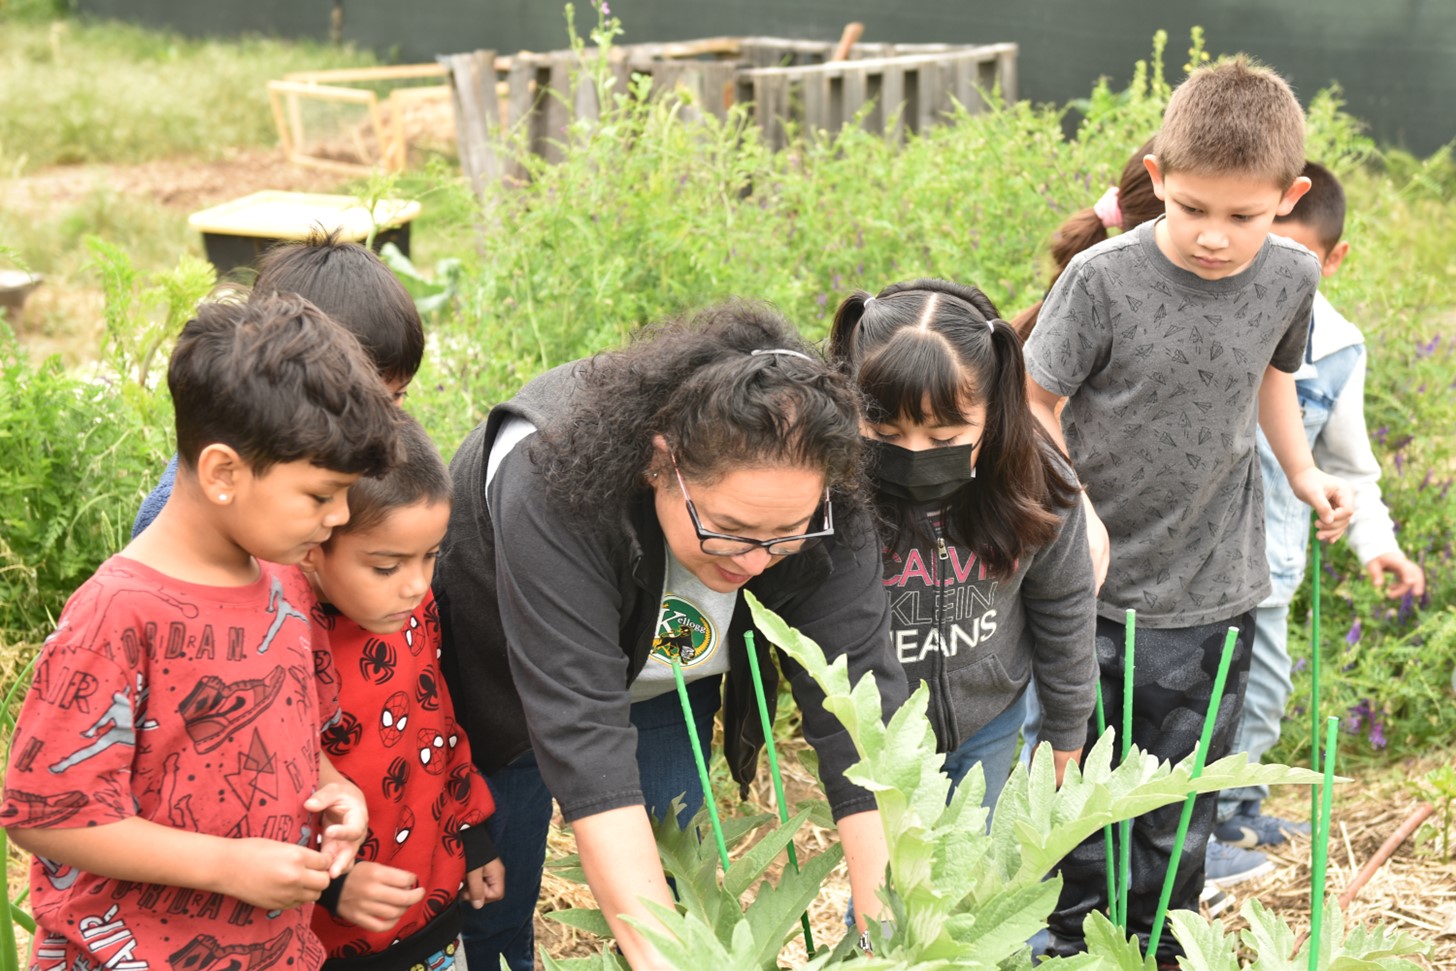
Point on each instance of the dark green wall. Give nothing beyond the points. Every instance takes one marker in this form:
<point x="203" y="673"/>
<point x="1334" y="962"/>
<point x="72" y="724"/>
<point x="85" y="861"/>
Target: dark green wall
<point x="1396" y="59"/>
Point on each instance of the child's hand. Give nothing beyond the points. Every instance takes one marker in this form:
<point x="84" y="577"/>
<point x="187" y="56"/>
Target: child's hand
<point x="486" y="884"/>
<point x="345" y="822"/>
<point x="1332" y="500"/>
<point x="273" y="875"/>
<point x="1409" y="578"/>
<point x="375" y="896"/>
<point x="1098" y="542"/>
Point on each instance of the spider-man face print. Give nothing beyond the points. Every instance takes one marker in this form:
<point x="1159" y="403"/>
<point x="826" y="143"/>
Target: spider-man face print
<point x="394" y="718"/>
<point x="377" y="661"/>
<point x="434" y="750"/>
<point x="405" y="825"/>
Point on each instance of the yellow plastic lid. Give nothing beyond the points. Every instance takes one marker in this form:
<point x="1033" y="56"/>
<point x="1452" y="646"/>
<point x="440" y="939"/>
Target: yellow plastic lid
<point x="272" y="214"/>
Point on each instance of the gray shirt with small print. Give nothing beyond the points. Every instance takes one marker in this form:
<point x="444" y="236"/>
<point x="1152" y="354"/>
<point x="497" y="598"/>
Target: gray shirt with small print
<point x="1161" y="369"/>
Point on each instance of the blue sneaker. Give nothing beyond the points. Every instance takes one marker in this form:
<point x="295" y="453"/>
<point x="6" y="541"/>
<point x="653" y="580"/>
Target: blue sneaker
<point x="1249" y="828"/>
<point x="1226" y="865"/>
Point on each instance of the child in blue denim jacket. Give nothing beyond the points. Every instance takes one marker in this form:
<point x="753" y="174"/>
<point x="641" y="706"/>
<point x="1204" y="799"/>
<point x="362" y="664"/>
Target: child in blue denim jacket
<point x="1331" y="388"/>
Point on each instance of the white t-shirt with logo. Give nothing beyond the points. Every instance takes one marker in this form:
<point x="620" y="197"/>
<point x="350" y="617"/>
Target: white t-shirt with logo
<point x="692" y="624"/>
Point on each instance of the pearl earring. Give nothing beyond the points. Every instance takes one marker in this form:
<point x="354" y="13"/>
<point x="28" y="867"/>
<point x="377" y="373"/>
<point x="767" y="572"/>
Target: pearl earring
<point x="222" y="497"/>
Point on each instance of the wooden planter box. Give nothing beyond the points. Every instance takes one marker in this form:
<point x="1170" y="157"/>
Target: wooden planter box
<point x="787" y="82"/>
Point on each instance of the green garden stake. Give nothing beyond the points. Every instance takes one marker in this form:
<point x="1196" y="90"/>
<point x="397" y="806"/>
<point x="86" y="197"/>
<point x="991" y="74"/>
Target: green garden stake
<point x="1112" y="881"/>
<point x="1314" y="683"/>
<point x="1198" y="759"/>
<point x="1124" y="870"/>
<point x="1321" y="847"/>
<point x="682" y="696"/>
<point x="773" y="770"/>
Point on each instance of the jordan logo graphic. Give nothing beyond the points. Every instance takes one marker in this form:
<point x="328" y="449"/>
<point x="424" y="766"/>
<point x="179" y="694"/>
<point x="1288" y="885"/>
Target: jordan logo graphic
<point x="281" y="610"/>
<point x="119" y="719"/>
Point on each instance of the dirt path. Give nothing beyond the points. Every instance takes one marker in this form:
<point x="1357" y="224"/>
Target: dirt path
<point x="184" y="184"/>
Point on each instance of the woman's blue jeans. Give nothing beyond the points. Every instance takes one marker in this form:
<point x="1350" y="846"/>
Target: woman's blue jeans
<point x="522" y="819"/>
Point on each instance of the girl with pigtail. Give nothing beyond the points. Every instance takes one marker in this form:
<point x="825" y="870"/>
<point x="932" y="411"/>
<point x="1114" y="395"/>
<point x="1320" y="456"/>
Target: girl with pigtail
<point x="984" y="545"/>
<point x="1123" y="206"/>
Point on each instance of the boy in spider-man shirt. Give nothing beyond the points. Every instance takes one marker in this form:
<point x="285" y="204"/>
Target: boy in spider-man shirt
<point x="398" y="737"/>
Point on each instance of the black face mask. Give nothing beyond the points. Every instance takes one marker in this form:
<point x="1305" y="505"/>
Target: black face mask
<point x="925" y="476"/>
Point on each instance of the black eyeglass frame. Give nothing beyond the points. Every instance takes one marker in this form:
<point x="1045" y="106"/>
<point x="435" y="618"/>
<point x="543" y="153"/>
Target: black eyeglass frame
<point x="803" y="541"/>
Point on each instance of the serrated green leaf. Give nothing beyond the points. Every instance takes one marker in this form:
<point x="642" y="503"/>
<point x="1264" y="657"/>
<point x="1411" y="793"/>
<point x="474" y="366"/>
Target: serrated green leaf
<point x="751" y="865"/>
<point x="583" y="919"/>
<point x="1205" y="945"/>
<point x="1118" y="951"/>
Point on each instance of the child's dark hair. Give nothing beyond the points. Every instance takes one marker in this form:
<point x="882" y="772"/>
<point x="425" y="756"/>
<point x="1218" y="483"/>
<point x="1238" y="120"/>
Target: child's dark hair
<point x="278" y="381"/>
<point x="699" y="384"/>
<point x="349" y="283"/>
<point x="1133" y="204"/>
<point x="418" y="477"/>
<point x="1322" y="208"/>
<point x="940" y="344"/>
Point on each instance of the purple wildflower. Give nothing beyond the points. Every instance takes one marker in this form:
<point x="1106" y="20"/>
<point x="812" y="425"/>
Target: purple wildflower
<point x="1400" y="463"/>
<point x="1407" y="607"/>
<point x="607" y="12"/>
<point x="1377" y="734"/>
<point x="1300" y="665"/>
<point x="1353" y="637"/>
<point x="1381" y="433"/>
<point x="822" y="299"/>
<point x="1426" y="481"/>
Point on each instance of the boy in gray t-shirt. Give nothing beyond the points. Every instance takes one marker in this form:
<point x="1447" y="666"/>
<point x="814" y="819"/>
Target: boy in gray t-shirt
<point x="1168" y="343"/>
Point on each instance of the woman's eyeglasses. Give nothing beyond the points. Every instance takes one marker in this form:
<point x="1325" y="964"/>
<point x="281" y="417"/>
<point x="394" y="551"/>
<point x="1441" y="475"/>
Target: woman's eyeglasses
<point x="721" y="544"/>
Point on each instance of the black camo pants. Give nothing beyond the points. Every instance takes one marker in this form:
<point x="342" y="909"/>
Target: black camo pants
<point x="1173" y="674"/>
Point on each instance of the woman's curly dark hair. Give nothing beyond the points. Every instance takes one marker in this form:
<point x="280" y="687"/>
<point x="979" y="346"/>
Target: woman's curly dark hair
<point x="698" y="384"/>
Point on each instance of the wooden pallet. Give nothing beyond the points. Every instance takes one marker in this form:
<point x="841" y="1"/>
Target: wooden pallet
<point x="790" y="84"/>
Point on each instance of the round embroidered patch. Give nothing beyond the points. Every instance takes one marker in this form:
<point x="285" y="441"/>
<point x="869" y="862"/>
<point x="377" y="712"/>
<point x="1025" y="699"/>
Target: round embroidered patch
<point x="684" y="632"/>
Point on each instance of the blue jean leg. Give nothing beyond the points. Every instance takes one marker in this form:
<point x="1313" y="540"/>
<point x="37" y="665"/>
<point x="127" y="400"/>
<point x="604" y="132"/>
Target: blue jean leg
<point x="519" y="827"/>
<point x="1030" y="725"/>
<point x="1264" y="700"/>
<point x="994" y="746"/>
<point x="664" y="752"/>
<point x="522" y="820"/>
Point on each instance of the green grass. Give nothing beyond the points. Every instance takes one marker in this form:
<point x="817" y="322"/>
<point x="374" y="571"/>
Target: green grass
<point x="107" y="92"/>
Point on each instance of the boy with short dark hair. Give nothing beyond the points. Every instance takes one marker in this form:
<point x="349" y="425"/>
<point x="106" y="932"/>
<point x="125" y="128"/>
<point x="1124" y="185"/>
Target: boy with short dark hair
<point x="1331" y="387"/>
<point x="398" y="734"/>
<point x="351" y="284"/>
<point x="1169" y="343"/>
<point x="165" y="770"/>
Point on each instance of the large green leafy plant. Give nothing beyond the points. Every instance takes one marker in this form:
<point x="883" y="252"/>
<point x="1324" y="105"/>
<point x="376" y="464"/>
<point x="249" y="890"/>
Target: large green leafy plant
<point x="957" y="895"/>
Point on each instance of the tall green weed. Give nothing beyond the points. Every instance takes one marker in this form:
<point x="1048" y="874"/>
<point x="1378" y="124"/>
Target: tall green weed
<point x="78" y="452"/>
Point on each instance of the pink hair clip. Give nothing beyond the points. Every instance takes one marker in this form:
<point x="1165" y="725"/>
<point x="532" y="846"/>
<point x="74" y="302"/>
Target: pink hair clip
<point x="1108" y="210"/>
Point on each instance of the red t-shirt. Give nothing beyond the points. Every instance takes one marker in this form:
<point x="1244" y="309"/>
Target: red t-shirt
<point x="191" y="706"/>
<point x="397" y="738"/>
